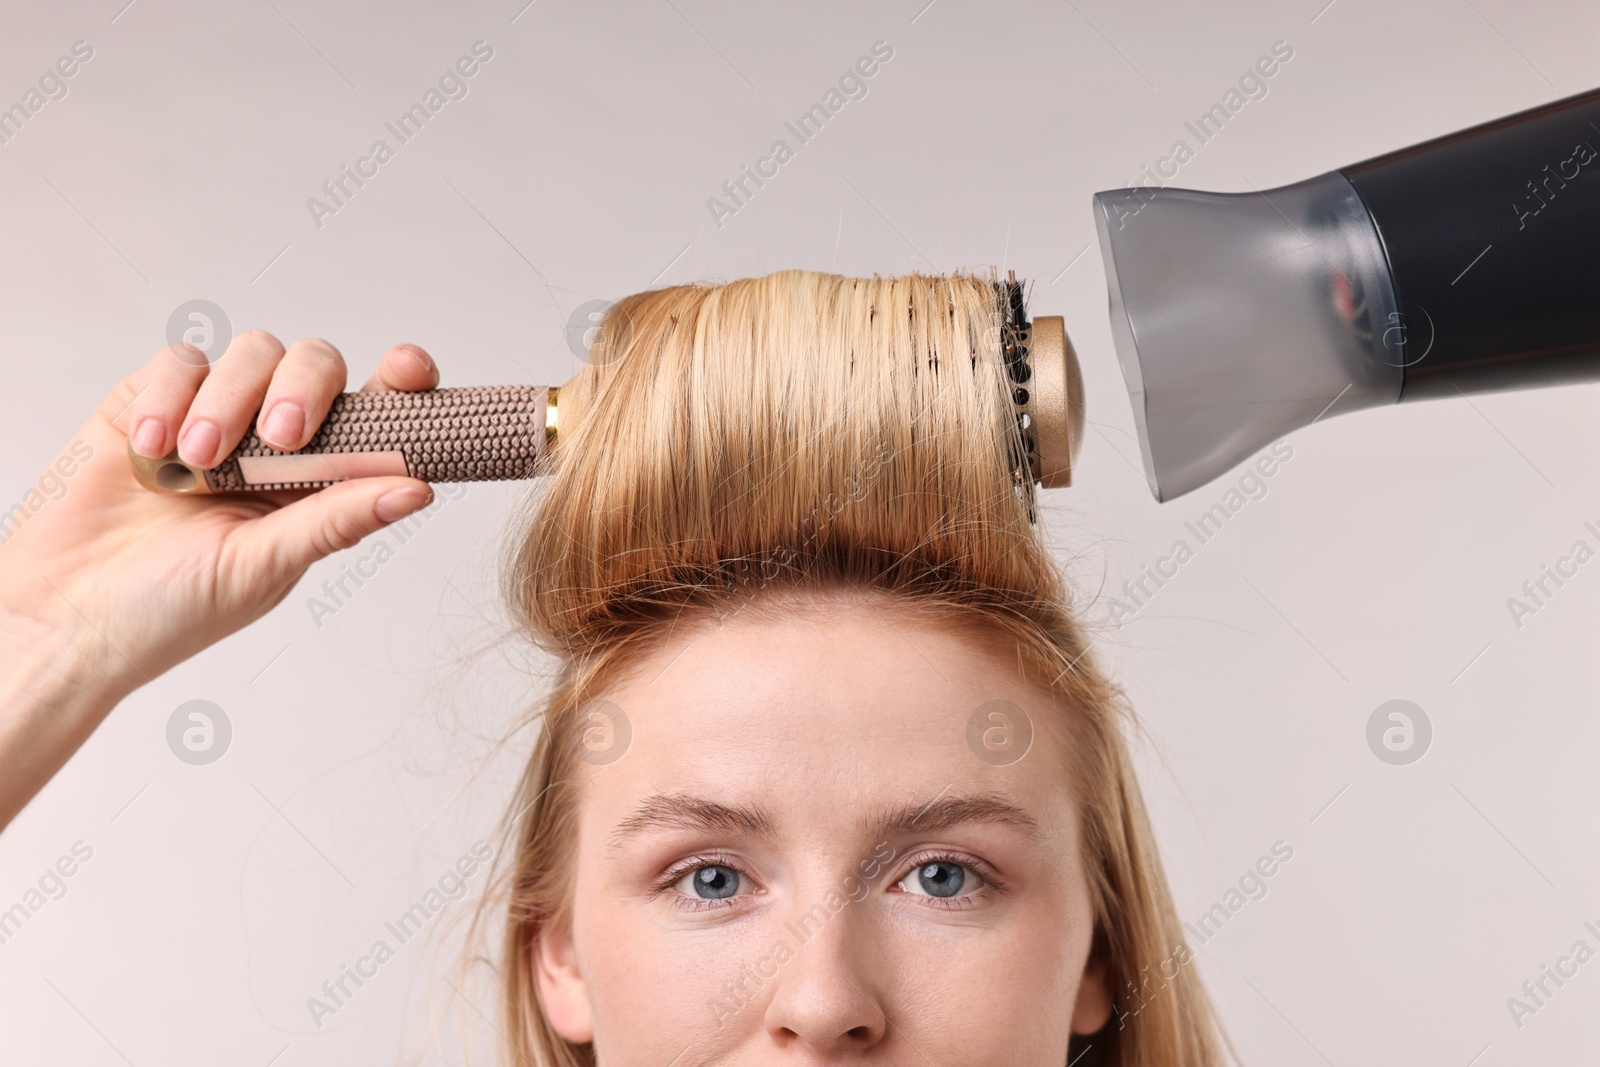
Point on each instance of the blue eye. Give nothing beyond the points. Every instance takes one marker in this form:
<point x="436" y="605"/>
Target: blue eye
<point x="712" y="882"/>
<point x="941" y="878"/>
<point x="947" y="879"/>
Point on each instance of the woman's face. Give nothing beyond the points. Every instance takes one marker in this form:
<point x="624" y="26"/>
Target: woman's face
<point x="800" y="858"/>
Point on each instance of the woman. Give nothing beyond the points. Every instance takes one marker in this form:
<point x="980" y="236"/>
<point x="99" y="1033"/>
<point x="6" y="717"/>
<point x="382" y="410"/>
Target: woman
<point x="829" y="773"/>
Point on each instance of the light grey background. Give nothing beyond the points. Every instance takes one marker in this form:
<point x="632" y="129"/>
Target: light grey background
<point x="1419" y="898"/>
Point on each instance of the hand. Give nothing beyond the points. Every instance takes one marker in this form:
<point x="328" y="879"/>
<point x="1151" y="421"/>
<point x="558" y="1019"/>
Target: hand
<point x="115" y="584"/>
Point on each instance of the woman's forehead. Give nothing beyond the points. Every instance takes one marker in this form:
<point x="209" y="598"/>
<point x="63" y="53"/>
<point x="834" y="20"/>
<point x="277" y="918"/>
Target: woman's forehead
<point x="860" y="710"/>
<point x="873" y="676"/>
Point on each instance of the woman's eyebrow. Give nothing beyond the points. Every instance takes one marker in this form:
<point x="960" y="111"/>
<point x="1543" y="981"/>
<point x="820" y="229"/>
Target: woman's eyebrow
<point x="944" y="812"/>
<point x="684" y="812"/>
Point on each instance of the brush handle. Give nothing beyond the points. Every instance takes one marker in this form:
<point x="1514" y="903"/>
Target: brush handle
<point x="477" y="433"/>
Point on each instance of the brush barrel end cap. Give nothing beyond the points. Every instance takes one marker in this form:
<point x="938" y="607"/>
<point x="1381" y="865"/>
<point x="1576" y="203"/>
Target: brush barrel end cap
<point x="1055" y="402"/>
<point x="169" y="474"/>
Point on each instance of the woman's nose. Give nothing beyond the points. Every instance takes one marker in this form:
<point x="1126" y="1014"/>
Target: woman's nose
<point x="829" y="997"/>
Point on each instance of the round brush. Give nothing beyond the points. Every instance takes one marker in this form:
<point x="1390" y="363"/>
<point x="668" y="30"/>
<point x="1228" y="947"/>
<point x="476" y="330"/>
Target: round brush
<point x="483" y="433"/>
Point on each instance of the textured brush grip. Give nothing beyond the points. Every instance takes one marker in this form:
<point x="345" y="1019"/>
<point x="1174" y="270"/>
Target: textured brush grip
<point x="477" y="433"/>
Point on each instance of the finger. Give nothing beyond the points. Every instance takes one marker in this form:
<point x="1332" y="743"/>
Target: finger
<point x="334" y="518"/>
<point x="302" y="389"/>
<point x="165" y="387"/>
<point x="229" y="398"/>
<point x="404" y="367"/>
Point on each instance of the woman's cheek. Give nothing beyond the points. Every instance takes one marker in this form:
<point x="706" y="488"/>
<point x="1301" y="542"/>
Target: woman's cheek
<point x="660" y="983"/>
<point x="1019" y="978"/>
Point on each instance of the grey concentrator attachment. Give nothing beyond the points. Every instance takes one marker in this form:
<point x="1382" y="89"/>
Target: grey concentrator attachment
<point x="1467" y="263"/>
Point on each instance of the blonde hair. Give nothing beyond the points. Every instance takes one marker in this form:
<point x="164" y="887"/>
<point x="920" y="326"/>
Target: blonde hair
<point x="746" y="444"/>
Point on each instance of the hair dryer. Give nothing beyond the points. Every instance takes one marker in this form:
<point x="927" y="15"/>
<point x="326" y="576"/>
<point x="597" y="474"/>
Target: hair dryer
<point x="1463" y="264"/>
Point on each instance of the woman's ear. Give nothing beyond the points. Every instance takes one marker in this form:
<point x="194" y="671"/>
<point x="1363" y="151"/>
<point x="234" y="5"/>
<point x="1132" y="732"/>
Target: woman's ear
<point x="1093" y="1009"/>
<point x="561" y="988"/>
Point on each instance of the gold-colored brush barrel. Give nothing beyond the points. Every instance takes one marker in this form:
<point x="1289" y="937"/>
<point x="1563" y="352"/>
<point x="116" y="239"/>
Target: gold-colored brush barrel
<point x="498" y="432"/>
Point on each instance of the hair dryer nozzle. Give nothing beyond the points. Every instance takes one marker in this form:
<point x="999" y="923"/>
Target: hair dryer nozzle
<point x="1239" y="317"/>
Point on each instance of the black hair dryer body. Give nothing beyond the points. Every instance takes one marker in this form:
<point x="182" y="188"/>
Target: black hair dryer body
<point x="1467" y="263"/>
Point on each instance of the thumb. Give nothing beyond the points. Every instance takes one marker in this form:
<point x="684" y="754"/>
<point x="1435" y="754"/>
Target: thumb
<point x="336" y="517"/>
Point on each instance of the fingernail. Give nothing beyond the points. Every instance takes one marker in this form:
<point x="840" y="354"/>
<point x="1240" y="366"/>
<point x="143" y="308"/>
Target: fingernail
<point x="148" y="437"/>
<point x="199" y="443"/>
<point x="398" y="503"/>
<point x="421" y="357"/>
<point x="284" y="424"/>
